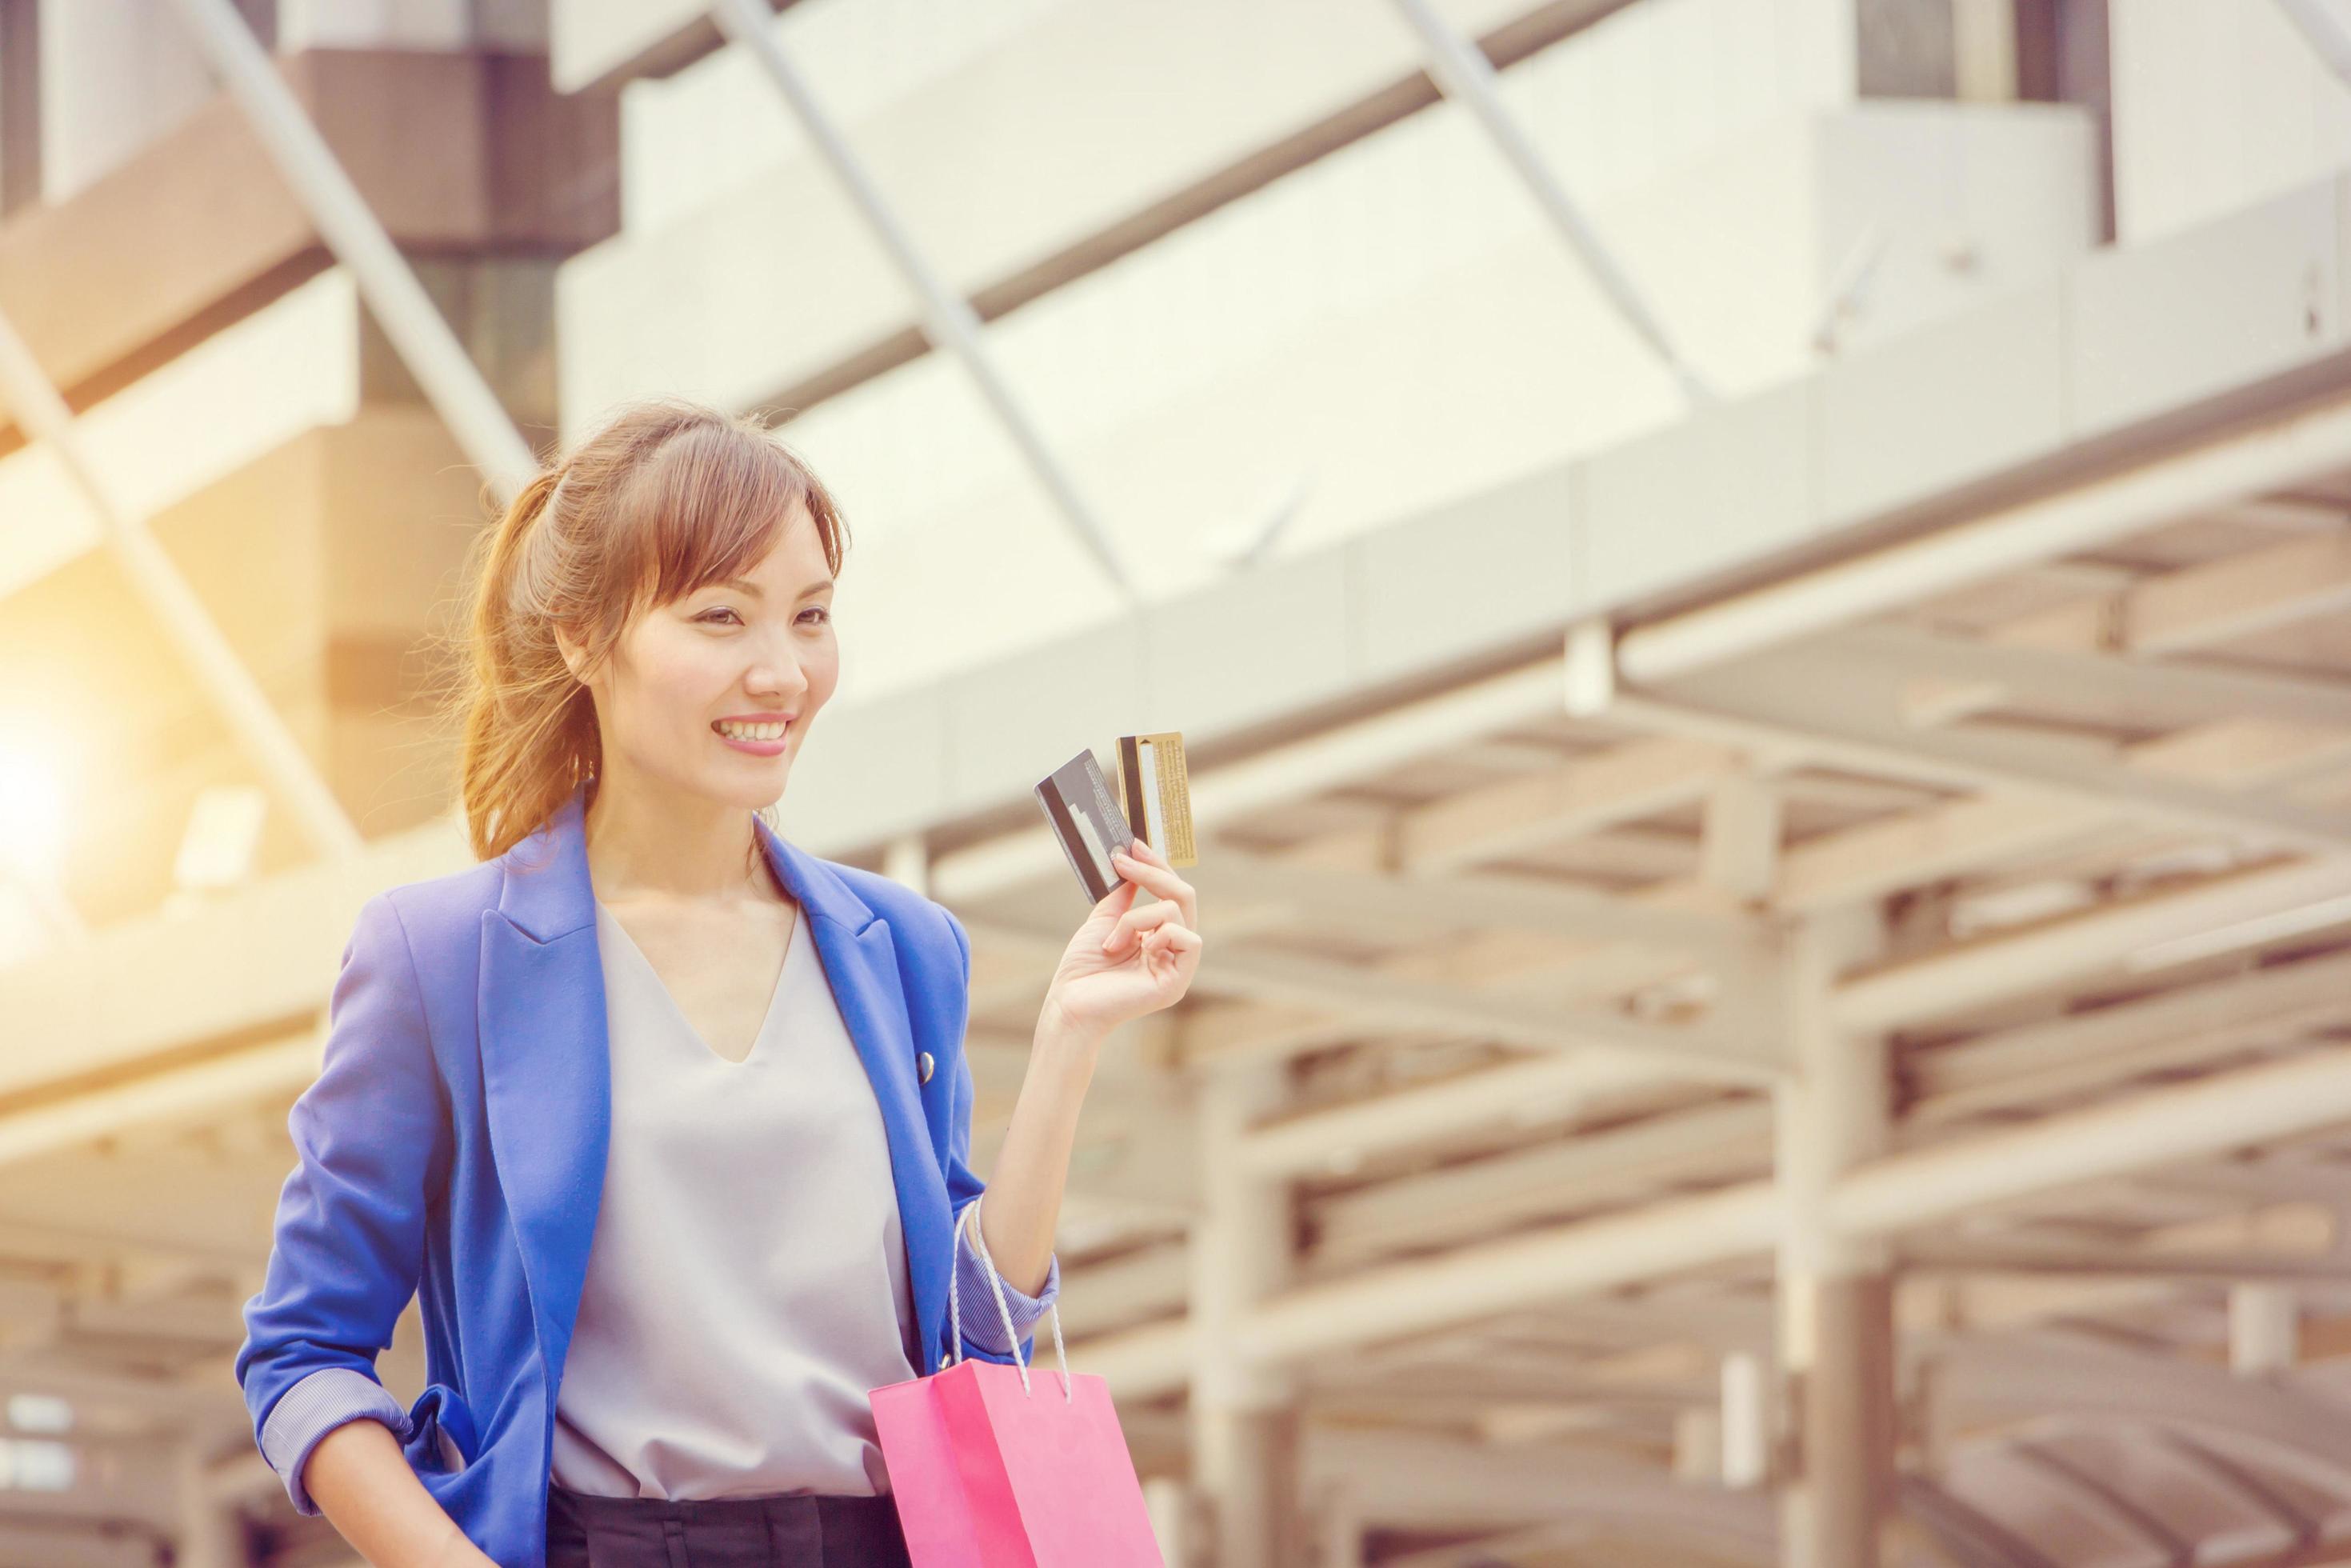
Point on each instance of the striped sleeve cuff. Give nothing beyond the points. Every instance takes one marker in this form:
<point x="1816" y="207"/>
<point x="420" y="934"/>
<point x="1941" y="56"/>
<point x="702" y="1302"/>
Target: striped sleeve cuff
<point x="316" y="1406"/>
<point x="983" y="1325"/>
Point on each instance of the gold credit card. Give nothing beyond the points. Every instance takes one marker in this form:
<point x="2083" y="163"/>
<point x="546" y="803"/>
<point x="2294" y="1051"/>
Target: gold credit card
<point x="1156" y="791"/>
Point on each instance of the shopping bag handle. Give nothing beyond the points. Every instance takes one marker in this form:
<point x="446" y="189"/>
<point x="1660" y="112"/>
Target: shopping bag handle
<point x="970" y="1215"/>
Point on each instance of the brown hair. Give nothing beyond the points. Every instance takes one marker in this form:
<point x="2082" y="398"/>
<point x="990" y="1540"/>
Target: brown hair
<point x="659" y="500"/>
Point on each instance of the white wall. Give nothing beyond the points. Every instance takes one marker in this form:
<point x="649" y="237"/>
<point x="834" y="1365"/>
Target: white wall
<point x="689" y="139"/>
<point x="2218" y="104"/>
<point x="411" y="23"/>
<point x="114" y="75"/>
<point x="1196" y="385"/>
<point x="120" y="74"/>
<point x="1088" y="116"/>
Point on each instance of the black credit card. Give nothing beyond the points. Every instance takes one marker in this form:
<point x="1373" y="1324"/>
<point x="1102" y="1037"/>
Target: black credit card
<point x="1082" y="813"/>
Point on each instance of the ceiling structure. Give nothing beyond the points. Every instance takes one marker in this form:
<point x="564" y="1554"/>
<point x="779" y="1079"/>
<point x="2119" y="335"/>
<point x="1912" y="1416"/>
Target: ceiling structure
<point x="1972" y="927"/>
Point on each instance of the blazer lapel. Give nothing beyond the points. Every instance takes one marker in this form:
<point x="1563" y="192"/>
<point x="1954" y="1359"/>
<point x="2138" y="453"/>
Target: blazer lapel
<point x="547" y="1079"/>
<point x="861" y="962"/>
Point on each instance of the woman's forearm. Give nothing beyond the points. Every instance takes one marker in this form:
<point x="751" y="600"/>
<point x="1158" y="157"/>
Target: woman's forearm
<point x="1024" y="1194"/>
<point x="363" y="1484"/>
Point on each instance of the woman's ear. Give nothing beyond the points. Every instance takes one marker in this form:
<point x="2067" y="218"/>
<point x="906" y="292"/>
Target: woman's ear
<point x="575" y="659"/>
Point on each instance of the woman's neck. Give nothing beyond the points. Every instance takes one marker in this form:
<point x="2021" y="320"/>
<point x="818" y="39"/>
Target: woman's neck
<point x="641" y="841"/>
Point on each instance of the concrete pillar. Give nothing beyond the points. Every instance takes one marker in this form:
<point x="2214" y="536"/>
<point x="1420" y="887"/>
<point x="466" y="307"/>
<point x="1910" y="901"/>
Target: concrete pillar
<point x="1339" y="1528"/>
<point x="1244" y="1418"/>
<point x="212" y="1533"/>
<point x="1836" y="1337"/>
<point x="1744" y="1449"/>
<point x="2264" y="1329"/>
<point x="906" y="860"/>
<point x="1170" y="1502"/>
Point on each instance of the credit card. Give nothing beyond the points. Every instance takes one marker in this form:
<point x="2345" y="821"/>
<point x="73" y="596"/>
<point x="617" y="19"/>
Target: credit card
<point x="1157" y="793"/>
<point x="1082" y="813"/>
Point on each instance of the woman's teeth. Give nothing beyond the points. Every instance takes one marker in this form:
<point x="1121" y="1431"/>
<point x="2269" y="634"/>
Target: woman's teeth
<point x="751" y="731"/>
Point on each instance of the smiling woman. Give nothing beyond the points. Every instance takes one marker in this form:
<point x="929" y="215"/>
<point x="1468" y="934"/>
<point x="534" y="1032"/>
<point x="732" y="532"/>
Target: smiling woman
<point x="666" y="1122"/>
<point x="670" y="508"/>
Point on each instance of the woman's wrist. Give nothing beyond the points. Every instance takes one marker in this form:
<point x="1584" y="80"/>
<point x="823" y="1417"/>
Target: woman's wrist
<point x="1061" y="1039"/>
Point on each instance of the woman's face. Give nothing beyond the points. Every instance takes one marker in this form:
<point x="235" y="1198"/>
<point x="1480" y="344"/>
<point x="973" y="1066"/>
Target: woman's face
<point x="713" y="693"/>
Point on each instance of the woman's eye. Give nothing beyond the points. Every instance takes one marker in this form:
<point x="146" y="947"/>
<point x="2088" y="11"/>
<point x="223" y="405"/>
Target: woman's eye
<point x="822" y="615"/>
<point x="710" y="617"/>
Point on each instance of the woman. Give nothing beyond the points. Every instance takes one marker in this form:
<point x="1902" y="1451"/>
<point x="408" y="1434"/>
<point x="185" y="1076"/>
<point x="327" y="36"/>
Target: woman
<point x="663" y="1119"/>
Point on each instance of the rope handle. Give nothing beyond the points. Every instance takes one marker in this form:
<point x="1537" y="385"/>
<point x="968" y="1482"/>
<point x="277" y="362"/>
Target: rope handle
<point x="970" y="1215"/>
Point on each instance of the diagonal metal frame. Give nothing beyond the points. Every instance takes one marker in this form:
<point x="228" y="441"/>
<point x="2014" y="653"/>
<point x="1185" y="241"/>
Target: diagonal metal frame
<point x="252" y="719"/>
<point x="2324" y="32"/>
<point x="452" y="383"/>
<point x="450" y="379"/>
<point x="948" y="318"/>
<point x="1463" y="73"/>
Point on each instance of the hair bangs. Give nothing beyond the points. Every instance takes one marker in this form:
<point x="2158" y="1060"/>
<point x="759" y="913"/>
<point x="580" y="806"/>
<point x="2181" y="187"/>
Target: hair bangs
<point x="713" y="502"/>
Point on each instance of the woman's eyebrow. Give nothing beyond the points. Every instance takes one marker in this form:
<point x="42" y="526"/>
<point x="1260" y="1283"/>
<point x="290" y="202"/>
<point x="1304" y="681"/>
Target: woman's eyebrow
<point x="745" y="585"/>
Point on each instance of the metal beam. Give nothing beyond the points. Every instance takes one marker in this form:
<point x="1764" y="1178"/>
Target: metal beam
<point x="1720" y="1050"/>
<point x="2162" y="1032"/>
<point x="1546" y="1087"/>
<point x="1811" y="698"/>
<point x="1427" y="1481"/>
<point x="2322" y="29"/>
<point x="1964" y="1530"/>
<point x="2248" y="1488"/>
<point x="1724" y="1048"/>
<point x="200" y="1091"/>
<point x="1233" y="877"/>
<point x="1463" y="73"/>
<point x="948" y="318"/>
<point x="2045" y="1372"/>
<point x="2082" y="516"/>
<point x="1885" y="1197"/>
<point x="451" y="381"/>
<point x="1456" y="1203"/>
<point x="2192" y="1121"/>
<point x="1978" y="973"/>
<point x="2169" y="695"/>
<point x="259" y="731"/>
<point x="1950" y="1256"/>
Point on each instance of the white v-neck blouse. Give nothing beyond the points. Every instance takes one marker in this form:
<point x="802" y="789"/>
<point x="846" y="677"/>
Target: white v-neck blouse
<point x="746" y="1280"/>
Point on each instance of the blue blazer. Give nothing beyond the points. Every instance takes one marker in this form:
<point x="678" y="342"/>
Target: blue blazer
<point x="453" y="1147"/>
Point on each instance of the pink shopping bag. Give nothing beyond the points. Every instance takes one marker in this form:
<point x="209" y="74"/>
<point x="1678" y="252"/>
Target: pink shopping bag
<point x="997" y="1467"/>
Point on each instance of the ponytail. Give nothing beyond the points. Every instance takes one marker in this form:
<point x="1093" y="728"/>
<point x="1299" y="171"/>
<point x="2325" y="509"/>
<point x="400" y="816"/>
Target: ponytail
<point x="528" y="735"/>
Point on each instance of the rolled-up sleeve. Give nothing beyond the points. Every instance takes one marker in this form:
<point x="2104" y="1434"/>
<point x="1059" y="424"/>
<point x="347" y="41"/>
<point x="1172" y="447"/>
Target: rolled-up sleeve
<point x="305" y="1413"/>
<point x="983" y="1324"/>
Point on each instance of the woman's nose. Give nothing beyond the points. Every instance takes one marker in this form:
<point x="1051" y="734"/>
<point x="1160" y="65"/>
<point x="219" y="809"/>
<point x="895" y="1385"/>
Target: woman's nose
<point x="776" y="680"/>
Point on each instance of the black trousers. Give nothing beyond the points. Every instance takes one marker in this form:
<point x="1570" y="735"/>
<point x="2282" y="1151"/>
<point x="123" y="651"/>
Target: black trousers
<point x="585" y="1532"/>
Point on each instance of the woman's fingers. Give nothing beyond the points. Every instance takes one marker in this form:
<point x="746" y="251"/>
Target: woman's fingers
<point x="1117" y="901"/>
<point x="1149" y="917"/>
<point x="1157" y="878"/>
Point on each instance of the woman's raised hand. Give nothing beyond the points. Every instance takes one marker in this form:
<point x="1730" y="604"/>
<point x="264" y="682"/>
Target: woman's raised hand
<point x="1128" y="959"/>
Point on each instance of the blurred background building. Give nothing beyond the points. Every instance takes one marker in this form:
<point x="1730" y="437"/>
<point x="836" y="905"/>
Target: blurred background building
<point x="1757" y="586"/>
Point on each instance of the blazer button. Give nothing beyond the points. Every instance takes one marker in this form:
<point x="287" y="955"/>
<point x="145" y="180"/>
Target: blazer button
<point x="923" y="1064"/>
